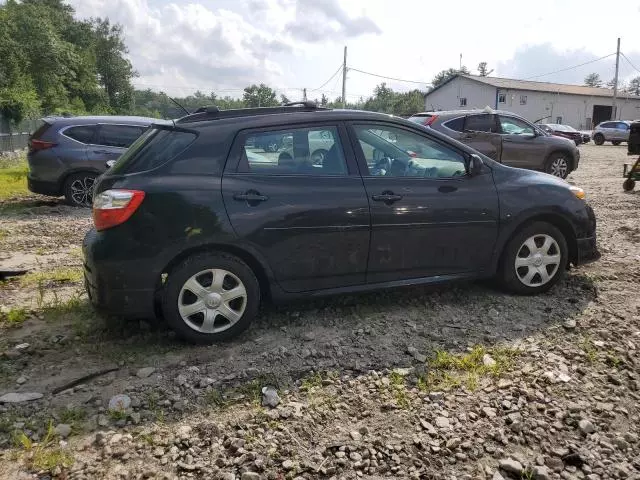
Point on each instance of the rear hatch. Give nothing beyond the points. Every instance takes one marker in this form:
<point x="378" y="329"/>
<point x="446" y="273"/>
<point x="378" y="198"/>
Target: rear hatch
<point x="40" y="140"/>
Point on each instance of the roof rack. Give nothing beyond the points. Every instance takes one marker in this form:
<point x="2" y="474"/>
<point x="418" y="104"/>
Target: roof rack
<point x="211" y="112"/>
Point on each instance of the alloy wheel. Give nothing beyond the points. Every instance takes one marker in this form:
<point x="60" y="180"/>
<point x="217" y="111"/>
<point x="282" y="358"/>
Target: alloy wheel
<point x="559" y="167"/>
<point x="211" y="301"/>
<point x="82" y="190"/>
<point x="537" y="260"/>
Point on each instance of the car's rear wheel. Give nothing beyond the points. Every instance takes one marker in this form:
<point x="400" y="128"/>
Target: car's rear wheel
<point x="534" y="260"/>
<point x="210" y="297"/>
<point x="78" y="189"/>
<point x="598" y="139"/>
<point x="616" y="142"/>
<point x="629" y="184"/>
<point x="558" y="164"/>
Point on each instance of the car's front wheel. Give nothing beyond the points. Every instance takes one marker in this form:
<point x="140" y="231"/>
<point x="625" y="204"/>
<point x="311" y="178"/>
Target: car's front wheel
<point x="558" y="164"/>
<point x="210" y="297"/>
<point x="534" y="259"/>
<point x="78" y="189"/>
<point x="598" y="139"/>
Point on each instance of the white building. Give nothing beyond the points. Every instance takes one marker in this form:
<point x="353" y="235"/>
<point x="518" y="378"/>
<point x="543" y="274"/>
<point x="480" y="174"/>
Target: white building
<point x="575" y="105"/>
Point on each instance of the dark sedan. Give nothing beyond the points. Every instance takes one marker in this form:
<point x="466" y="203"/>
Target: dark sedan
<point x="564" y="131"/>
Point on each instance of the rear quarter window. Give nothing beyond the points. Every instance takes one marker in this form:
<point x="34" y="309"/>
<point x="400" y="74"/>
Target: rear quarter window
<point x="153" y="149"/>
<point x="81" y="133"/>
<point x="456" y="124"/>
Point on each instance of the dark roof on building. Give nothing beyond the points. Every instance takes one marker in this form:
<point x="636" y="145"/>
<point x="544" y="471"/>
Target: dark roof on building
<point x="513" y="84"/>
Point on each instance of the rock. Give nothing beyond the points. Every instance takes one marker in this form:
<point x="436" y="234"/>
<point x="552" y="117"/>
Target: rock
<point x="187" y="466"/>
<point x="586" y="426"/>
<point x="270" y="397"/>
<point x="570" y="324"/>
<point x="250" y="476"/>
<point x="497" y="476"/>
<point x="540" y="473"/>
<point x="120" y="402"/>
<point x="63" y="430"/>
<point x="226" y="476"/>
<point x="145" y="372"/>
<point x="20" y="397"/>
<point x="442" y="422"/>
<point x="504" y="383"/>
<point x="355" y="456"/>
<point x="564" y="378"/>
<point x="488" y="361"/>
<point x="21" y="380"/>
<point x="431" y="430"/>
<point x="136" y="418"/>
<point x="554" y="463"/>
<point x="355" y="436"/>
<point x="489" y="412"/>
<point x="288" y="465"/>
<point x="510" y="465"/>
<point x="181" y="379"/>
<point x="22" y="347"/>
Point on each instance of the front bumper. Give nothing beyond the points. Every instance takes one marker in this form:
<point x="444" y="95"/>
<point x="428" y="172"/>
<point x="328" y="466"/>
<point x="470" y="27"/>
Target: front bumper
<point x="587" y="250"/>
<point x="116" y="287"/>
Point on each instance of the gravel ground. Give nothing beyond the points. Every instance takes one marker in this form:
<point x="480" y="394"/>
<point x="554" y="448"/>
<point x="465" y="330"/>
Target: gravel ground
<point x="451" y="382"/>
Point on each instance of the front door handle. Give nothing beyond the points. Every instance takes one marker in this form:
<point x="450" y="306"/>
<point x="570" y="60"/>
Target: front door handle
<point x="447" y="188"/>
<point x="387" y="197"/>
<point x="250" y="197"/>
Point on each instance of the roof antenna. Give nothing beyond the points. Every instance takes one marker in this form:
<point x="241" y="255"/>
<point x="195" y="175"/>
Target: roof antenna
<point x="176" y="102"/>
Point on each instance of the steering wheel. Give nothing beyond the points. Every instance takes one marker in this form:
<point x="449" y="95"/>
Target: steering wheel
<point x="382" y="166"/>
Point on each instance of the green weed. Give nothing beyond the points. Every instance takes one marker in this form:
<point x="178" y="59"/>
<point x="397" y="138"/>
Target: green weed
<point x="48" y="277"/>
<point x="13" y="317"/>
<point x="44" y="455"/>
<point x="13" y="180"/>
<point x="589" y="349"/>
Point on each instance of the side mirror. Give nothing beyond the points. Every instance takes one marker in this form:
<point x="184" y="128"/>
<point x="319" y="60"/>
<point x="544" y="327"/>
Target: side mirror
<point x="110" y="163"/>
<point x="475" y="165"/>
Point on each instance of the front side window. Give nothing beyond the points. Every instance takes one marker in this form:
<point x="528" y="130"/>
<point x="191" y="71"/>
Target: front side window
<point x="515" y="126"/>
<point x="480" y="123"/>
<point x="301" y="151"/>
<point x="523" y="99"/>
<point x="394" y="152"/>
<point x="81" y="133"/>
<point x="118" y="135"/>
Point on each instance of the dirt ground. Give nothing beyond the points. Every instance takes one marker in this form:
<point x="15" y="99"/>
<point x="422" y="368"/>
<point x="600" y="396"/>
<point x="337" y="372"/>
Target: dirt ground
<point x="563" y="385"/>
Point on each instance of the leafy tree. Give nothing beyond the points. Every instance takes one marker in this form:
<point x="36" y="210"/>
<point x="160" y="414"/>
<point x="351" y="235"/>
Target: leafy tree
<point x="592" y="80"/>
<point x="445" y="75"/>
<point x="482" y="69"/>
<point x="324" y="100"/>
<point x="634" y="86"/>
<point x="284" y="99"/>
<point x="259" y="96"/>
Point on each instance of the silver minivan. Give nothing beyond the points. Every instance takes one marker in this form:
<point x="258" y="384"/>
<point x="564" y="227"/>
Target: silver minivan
<point x="615" y="132"/>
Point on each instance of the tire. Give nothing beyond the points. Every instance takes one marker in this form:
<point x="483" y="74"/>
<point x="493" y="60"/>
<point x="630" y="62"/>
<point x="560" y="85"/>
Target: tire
<point x="78" y="189"/>
<point x="558" y="164"/>
<point x="598" y="139"/>
<point x="616" y="142"/>
<point x="233" y="274"/>
<point x="629" y="184"/>
<point x="514" y="279"/>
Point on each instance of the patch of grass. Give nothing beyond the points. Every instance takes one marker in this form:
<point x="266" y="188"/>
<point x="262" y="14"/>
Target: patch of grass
<point x="117" y="414"/>
<point x="13" y="317"/>
<point x="13" y="180"/>
<point x="589" y="349"/>
<point x="3" y="234"/>
<point x="447" y="370"/>
<point x="214" y="398"/>
<point x="44" y="455"/>
<point x="312" y="381"/>
<point x="48" y="277"/>
<point x="72" y="415"/>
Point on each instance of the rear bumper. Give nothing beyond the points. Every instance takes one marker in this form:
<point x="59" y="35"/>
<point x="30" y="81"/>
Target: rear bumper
<point x="51" y="189"/>
<point x="116" y="287"/>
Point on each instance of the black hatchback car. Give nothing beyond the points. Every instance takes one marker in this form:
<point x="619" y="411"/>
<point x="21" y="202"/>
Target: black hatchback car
<point x="196" y="223"/>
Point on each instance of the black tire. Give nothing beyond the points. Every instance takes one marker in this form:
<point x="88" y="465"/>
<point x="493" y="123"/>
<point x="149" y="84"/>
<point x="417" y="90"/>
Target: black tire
<point x="558" y="164"/>
<point x="78" y="189"/>
<point x="190" y="267"/>
<point x="598" y="139"/>
<point x="509" y="275"/>
<point x="616" y="142"/>
<point x="629" y="184"/>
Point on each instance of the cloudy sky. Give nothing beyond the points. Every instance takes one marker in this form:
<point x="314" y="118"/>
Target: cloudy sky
<point x="180" y="46"/>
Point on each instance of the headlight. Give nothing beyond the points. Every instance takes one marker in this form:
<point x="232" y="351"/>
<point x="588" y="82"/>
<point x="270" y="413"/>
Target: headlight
<point x="578" y="192"/>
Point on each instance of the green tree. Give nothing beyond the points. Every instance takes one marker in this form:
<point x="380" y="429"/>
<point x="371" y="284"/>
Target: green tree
<point x="445" y="75"/>
<point x="260" y="96"/>
<point x="634" y="86"/>
<point x="482" y="69"/>
<point x="592" y="80"/>
<point x="284" y="99"/>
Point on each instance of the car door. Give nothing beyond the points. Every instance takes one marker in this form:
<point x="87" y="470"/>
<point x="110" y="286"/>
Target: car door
<point x="622" y="131"/>
<point x="608" y="130"/>
<point x="428" y="216"/>
<point x="309" y="220"/>
<point x="81" y="137"/>
<point x="479" y="131"/>
<point x="111" y="141"/>
<point x="522" y="146"/>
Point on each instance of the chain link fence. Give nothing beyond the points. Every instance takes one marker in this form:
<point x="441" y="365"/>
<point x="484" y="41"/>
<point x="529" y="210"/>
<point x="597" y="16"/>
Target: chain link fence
<point x="14" y="138"/>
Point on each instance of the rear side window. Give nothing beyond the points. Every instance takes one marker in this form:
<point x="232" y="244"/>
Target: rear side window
<point x="40" y="131"/>
<point x="118" y="135"/>
<point x="480" y="123"/>
<point x="456" y="124"/>
<point x="154" y="148"/>
<point x="81" y="133"/>
<point x="607" y="125"/>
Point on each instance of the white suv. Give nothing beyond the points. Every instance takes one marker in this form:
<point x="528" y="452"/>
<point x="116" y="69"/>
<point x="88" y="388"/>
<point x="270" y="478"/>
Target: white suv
<point x="615" y="132"/>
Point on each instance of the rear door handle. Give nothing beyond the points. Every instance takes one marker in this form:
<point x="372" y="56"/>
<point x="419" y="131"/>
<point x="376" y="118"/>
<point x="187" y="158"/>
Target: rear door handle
<point x="250" y="197"/>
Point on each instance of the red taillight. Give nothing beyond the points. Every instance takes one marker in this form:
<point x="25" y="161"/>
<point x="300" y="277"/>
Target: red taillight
<point x="113" y="207"/>
<point x="430" y="120"/>
<point x="36" y="145"/>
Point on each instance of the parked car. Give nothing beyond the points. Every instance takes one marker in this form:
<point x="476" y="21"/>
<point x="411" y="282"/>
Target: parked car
<point x="586" y="136"/>
<point x="66" y="154"/>
<point x="187" y="223"/>
<point x="564" y="131"/>
<point x="615" y="132"/>
<point x="506" y="138"/>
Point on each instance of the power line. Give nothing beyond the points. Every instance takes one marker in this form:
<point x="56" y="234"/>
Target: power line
<point x="570" y="68"/>
<point x="389" y="78"/>
<point x="629" y="62"/>
<point x="330" y="78"/>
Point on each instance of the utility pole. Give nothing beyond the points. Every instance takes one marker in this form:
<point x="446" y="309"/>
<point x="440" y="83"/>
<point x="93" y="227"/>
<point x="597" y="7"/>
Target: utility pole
<point x="304" y="94"/>
<point x="344" y="78"/>
<point x="614" y="108"/>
